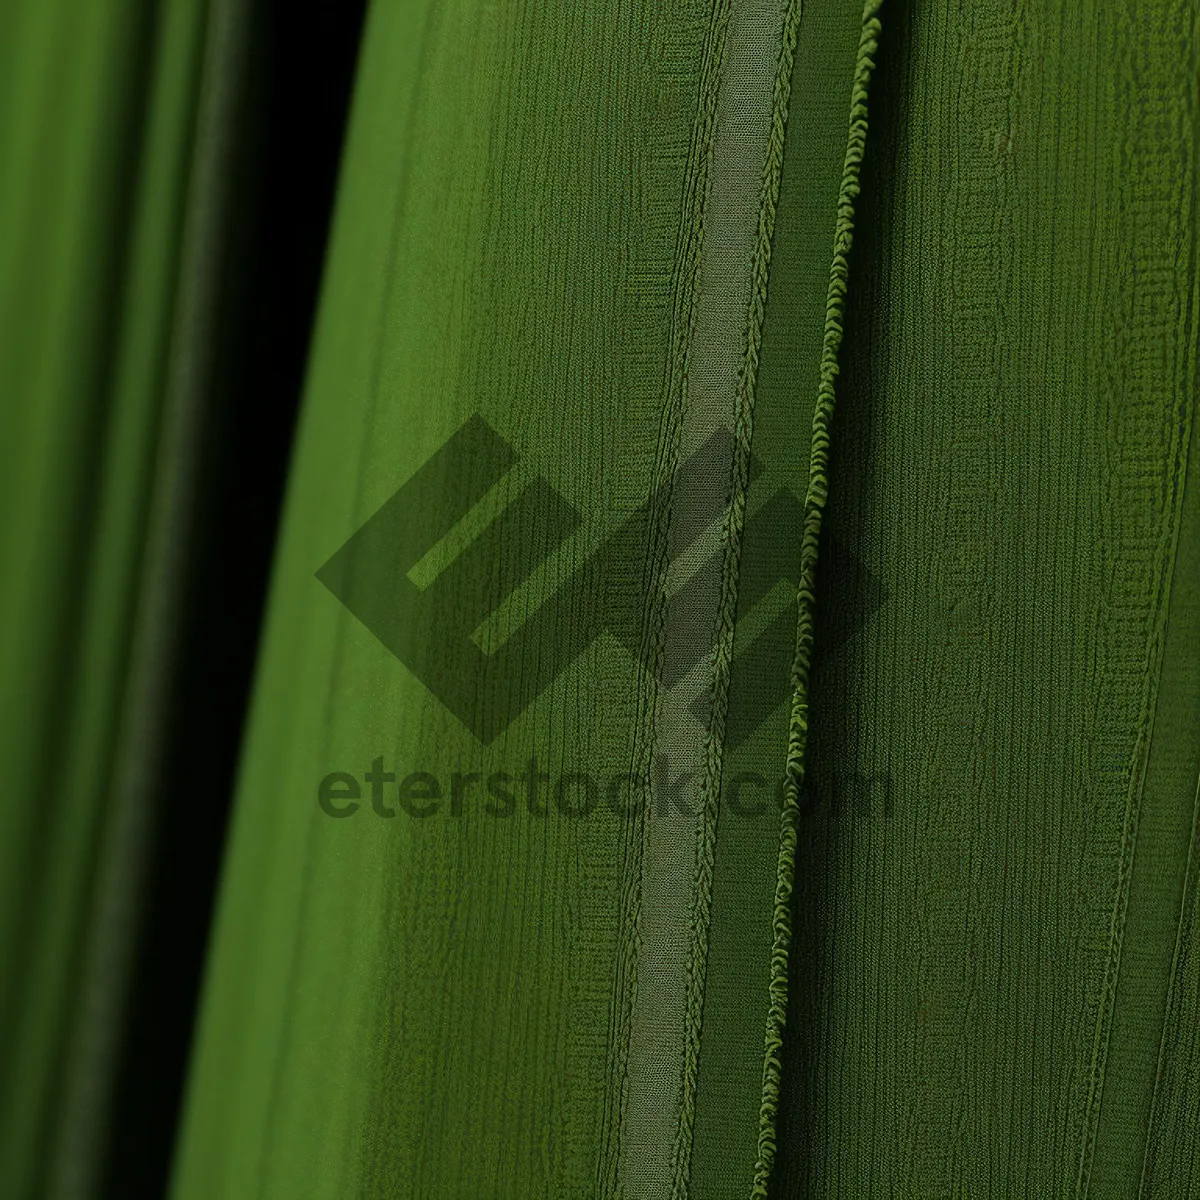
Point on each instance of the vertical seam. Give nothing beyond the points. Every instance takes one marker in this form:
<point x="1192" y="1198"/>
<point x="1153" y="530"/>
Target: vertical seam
<point x="814" y="505"/>
<point x="722" y="655"/>
<point x="684" y="289"/>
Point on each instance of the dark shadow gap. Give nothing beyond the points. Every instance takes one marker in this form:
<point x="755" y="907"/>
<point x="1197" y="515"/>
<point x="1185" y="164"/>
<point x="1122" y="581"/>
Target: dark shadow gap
<point x="302" y="66"/>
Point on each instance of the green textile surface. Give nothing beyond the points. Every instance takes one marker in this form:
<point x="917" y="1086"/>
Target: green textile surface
<point x="400" y="1005"/>
<point x="986" y="995"/>
<point x="981" y="967"/>
<point x="405" y="1005"/>
<point x="727" y="720"/>
<point x="96" y="109"/>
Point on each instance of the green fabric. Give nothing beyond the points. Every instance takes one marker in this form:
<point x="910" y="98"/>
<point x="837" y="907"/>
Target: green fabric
<point x="389" y="999"/>
<point x="988" y="984"/>
<point x="745" y="864"/>
<point x="463" y="976"/>
<point x="727" y="721"/>
<point x="95" y="123"/>
<point x="981" y="969"/>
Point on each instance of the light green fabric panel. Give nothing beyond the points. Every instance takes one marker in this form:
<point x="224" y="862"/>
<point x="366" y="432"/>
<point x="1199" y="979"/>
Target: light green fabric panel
<point x="405" y="1005"/>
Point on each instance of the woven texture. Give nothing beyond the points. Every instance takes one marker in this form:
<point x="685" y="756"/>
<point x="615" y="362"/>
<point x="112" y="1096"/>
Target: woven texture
<point x="950" y="623"/>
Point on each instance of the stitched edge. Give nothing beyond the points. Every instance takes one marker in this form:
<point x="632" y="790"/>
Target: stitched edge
<point x="814" y="505"/>
<point x="722" y="656"/>
<point x="683" y="322"/>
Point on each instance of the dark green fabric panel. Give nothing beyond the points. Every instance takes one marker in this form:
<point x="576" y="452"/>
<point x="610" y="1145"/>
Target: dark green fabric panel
<point x="1139" y="1038"/>
<point x="1011" y="440"/>
<point x="95" y="128"/>
<point x="1154" y="1058"/>
<point x="1172" y="1158"/>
